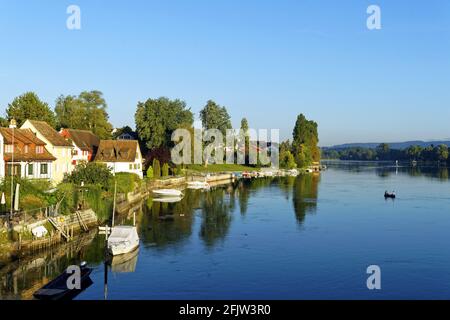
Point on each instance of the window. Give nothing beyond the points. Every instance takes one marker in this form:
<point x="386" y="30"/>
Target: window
<point x="135" y="166"/>
<point x="39" y="149"/>
<point x="15" y="168"/>
<point x="25" y="149"/>
<point x="44" y="168"/>
<point x="30" y="169"/>
<point x="9" y="148"/>
<point x="131" y="166"/>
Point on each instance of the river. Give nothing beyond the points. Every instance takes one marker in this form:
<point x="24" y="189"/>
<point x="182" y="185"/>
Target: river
<point x="310" y="237"/>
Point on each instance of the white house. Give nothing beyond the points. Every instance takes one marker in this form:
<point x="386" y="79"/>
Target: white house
<point x="59" y="147"/>
<point x="120" y="156"/>
<point x="85" y="144"/>
<point x="24" y="155"/>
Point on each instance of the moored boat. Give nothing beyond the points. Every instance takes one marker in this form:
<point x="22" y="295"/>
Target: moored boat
<point x="390" y="195"/>
<point x="57" y="289"/>
<point x="123" y="239"/>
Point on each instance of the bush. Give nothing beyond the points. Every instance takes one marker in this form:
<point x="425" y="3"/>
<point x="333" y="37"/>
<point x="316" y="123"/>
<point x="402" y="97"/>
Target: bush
<point x="101" y="203"/>
<point x="165" y="170"/>
<point x="156" y="169"/>
<point x="90" y="173"/>
<point x="67" y="195"/>
<point x="36" y="188"/>
<point x="126" y="182"/>
<point x="150" y="172"/>
<point x="31" y="202"/>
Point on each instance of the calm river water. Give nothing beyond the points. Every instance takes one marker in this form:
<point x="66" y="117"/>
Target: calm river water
<point x="310" y="237"/>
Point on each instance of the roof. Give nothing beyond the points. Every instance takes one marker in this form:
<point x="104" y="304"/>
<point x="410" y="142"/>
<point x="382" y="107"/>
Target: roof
<point x="50" y="134"/>
<point x="24" y="137"/>
<point x="84" y="139"/>
<point x="117" y="151"/>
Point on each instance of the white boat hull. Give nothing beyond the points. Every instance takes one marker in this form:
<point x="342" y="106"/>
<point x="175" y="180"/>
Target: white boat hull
<point x="123" y="239"/>
<point x="117" y="251"/>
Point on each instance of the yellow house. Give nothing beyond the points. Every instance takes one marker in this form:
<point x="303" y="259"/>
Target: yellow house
<point x="59" y="147"/>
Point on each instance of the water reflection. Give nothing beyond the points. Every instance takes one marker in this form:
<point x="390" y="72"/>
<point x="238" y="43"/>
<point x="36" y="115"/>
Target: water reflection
<point x="305" y="194"/>
<point x="21" y="278"/>
<point x="125" y="263"/>
<point x="216" y="216"/>
<point x="386" y="169"/>
<point x="162" y="225"/>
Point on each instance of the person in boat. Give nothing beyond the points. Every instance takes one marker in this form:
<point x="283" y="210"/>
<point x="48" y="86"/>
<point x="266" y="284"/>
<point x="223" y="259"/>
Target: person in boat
<point x="389" y="195"/>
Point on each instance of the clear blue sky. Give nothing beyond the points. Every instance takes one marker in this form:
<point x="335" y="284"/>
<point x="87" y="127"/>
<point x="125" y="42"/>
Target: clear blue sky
<point x="266" y="60"/>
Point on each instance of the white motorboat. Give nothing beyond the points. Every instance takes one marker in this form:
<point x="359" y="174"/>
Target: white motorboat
<point x="123" y="239"/>
<point x="168" y="193"/>
<point x="197" y="185"/>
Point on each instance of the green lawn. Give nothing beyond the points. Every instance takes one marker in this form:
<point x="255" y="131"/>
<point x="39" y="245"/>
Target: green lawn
<point x="221" y="168"/>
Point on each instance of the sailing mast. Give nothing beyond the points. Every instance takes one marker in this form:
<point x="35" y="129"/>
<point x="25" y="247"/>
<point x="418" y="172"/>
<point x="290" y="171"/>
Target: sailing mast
<point x="114" y="203"/>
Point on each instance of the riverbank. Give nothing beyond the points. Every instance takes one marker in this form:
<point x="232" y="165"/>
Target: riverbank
<point x="61" y="228"/>
<point x="23" y="238"/>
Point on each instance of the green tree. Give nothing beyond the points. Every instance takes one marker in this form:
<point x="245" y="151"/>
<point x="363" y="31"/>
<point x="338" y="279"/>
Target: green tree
<point x="383" y="151"/>
<point x="29" y="106"/>
<point x="305" y="143"/>
<point x="87" y="111"/>
<point x="165" y="170"/>
<point x="156" y="169"/>
<point x="287" y="160"/>
<point x="4" y="122"/>
<point x="150" y="172"/>
<point x="156" y="119"/>
<point x="214" y="116"/>
<point x="442" y="152"/>
<point x="90" y="173"/>
<point x="244" y="130"/>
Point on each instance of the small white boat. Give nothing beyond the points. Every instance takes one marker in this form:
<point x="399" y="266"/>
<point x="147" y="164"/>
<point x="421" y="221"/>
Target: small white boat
<point x="197" y="185"/>
<point x="168" y="193"/>
<point x="293" y="172"/>
<point x="123" y="239"/>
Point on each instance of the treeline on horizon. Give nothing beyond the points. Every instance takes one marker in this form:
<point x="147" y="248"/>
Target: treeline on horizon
<point x="383" y="152"/>
<point x="155" y="120"/>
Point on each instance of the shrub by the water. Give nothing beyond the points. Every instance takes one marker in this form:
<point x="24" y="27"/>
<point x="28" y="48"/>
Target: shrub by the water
<point x="156" y="169"/>
<point x="126" y="182"/>
<point x="150" y="172"/>
<point x="165" y="170"/>
<point x="90" y="173"/>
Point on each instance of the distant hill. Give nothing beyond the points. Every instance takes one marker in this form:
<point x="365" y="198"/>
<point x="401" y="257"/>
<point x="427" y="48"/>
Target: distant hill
<point x="394" y="145"/>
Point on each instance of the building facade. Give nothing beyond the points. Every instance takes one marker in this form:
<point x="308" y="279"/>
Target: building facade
<point x="85" y="144"/>
<point x="58" y="147"/>
<point x="24" y="155"/>
<point x="121" y="156"/>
